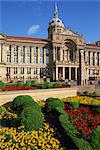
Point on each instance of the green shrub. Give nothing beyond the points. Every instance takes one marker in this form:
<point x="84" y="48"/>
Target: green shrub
<point x="27" y="84"/>
<point x="33" y="82"/>
<point x="98" y="108"/>
<point x="2" y="84"/>
<point x="85" y="93"/>
<point x="78" y="93"/>
<point x="95" y="139"/>
<point x="52" y="103"/>
<point x="74" y="104"/>
<point x="2" y="109"/>
<point x="31" y="119"/>
<point x="46" y="85"/>
<point x="94" y="94"/>
<point x="22" y="101"/>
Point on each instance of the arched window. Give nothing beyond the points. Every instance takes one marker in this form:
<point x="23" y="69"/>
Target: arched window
<point x="71" y="46"/>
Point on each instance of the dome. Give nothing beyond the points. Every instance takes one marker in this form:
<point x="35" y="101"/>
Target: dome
<point x="56" y="21"/>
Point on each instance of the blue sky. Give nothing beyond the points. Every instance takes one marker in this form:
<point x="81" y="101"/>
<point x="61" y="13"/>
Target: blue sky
<point x="30" y="18"/>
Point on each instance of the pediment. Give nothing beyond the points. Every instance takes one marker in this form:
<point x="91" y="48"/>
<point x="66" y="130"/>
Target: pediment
<point x="69" y="31"/>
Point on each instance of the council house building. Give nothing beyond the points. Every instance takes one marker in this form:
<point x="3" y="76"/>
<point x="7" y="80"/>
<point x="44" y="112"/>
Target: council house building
<point x="63" y="55"/>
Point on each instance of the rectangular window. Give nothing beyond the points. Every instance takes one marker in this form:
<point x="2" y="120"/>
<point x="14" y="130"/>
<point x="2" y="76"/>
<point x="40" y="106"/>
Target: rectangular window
<point x="15" y="70"/>
<point x="47" y="50"/>
<point x="47" y="59"/>
<point x="22" y="59"/>
<point x="8" y="58"/>
<point x="15" y="58"/>
<point x="35" y="59"/>
<point x="29" y="59"/>
<point x="28" y="70"/>
<point x="22" y="71"/>
<point x="8" y="70"/>
<point x="41" y="60"/>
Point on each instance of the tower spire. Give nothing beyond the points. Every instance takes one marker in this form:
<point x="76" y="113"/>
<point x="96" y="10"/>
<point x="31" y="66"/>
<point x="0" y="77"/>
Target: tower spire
<point x="56" y="12"/>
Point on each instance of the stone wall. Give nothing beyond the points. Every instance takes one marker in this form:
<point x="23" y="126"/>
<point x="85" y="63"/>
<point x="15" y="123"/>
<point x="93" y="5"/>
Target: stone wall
<point x="38" y="94"/>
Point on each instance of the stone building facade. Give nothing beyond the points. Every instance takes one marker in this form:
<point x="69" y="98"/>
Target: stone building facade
<point x="63" y="55"/>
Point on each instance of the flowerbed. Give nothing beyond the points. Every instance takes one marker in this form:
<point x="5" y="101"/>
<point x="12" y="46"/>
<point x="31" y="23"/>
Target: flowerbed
<point x="82" y="99"/>
<point x="12" y="88"/>
<point x="85" y="118"/>
<point x="66" y="125"/>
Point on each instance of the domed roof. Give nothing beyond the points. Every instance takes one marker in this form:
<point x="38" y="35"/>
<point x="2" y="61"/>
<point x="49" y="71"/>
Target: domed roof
<point x="56" y="21"/>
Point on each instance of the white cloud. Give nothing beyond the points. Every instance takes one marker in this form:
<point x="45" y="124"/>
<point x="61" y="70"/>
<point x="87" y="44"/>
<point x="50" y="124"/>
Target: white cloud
<point x="33" y="29"/>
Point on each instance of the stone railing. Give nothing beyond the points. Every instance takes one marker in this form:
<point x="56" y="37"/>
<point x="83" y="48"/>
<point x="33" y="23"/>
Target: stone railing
<point x="38" y="95"/>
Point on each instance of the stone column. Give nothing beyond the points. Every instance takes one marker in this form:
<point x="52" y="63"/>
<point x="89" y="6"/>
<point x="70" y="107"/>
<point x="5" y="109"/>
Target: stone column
<point x="95" y="57"/>
<point x="4" y="53"/>
<point x="32" y="55"/>
<point x="61" y="54"/>
<point x="75" y="73"/>
<point x="38" y="74"/>
<point x="69" y="73"/>
<point x="44" y="55"/>
<point x="12" y="54"/>
<point x="25" y="74"/>
<point x="83" y="68"/>
<point x="18" y="73"/>
<point x="63" y="73"/>
<point x="38" y="55"/>
<point x="56" y="73"/>
<point x="25" y="56"/>
<point x="11" y="73"/>
<point x="91" y="58"/>
<point x="19" y="54"/>
<point x="54" y="56"/>
<point x="86" y="54"/>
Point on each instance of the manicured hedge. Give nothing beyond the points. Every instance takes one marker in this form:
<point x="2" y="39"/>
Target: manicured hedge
<point x="63" y="120"/>
<point x="52" y="103"/>
<point x="28" y="111"/>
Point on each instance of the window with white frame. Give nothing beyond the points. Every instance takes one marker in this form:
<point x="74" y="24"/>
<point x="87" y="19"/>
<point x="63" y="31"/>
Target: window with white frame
<point x="8" y="58"/>
<point x="15" y="58"/>
<point x="22" y="59"/>
<point x="47" y="59"/>
<point x="35" y="59"/>
<point x="41" y="60"/>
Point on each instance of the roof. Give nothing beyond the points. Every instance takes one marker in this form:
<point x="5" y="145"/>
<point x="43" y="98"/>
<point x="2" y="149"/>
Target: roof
<point x="26" y="38"/>
<point x="92" y="44"/>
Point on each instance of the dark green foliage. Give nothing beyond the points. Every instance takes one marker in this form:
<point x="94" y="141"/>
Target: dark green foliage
<point x="85" y="93"/>
<point x="98" y="108"/>
<point x="2" y="109"/>
<point x="74" y="104"/>
<point x="52" y="103"/>
<point x="95" y="139"/>
<point x="33" y="82"/>
<point x="78" y="93"/>
<point x="46" y="85"/>
<point x="27" y="84"/>
<point x="94" y="94"/>
<point x="31" y="119"/>
<point x="2" y="84"/>
<point x="69" y="128"/>
<point x="22" y="101"/>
